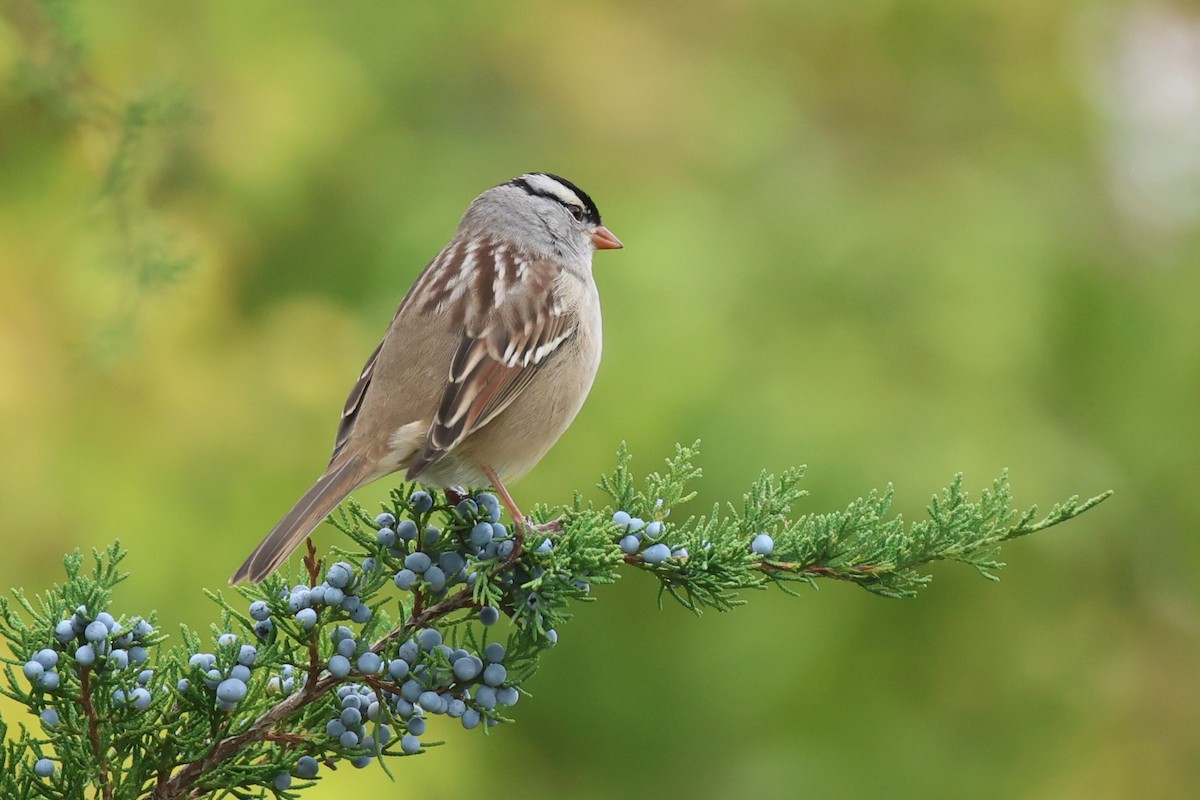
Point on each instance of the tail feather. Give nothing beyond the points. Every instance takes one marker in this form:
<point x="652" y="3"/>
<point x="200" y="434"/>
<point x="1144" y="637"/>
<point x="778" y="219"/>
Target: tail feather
<point x="309" y="511"/>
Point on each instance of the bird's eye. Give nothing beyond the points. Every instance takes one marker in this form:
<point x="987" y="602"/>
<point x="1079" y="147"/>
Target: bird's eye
<point x="577" y="212"/>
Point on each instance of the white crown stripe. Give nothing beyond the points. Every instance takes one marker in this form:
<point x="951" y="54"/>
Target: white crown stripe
<point x="546" y="184"/>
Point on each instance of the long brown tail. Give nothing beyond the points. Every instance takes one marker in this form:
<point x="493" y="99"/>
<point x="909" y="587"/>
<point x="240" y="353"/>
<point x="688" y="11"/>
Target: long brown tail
<point x="316" y="504"/>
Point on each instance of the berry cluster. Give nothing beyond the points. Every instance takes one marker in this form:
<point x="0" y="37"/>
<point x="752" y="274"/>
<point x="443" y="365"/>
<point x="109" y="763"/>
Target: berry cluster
<point x="351" y="653"/>
<point x="388" y="691"/>
<point x="432" y="562"/>
<point x="101" y="642"/>
<point x="304" y="603"/>
<point x="428" y="677"/>
<point x="226" y="674"/>
<point x="639" y="537"/>
<point x="428" y="562"/>
<point x="424" y="676"/>
<point x="638" y="534"/>
<point x="357" y="705"/>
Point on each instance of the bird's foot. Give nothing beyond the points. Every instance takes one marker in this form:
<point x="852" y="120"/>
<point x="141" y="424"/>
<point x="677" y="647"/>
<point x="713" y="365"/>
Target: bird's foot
<point x="522" y="525"/>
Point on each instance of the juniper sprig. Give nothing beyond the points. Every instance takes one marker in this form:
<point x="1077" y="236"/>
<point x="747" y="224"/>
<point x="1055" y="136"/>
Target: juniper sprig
<point x="365" y="654"/>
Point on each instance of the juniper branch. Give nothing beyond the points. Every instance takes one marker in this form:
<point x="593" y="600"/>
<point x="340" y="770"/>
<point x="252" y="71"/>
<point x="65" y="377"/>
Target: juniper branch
<point x="326" y="669"/>
<point x="184" y="781"/>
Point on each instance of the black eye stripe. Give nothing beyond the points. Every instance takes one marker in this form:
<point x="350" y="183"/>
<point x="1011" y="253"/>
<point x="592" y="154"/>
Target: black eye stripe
<point x="590" y="212"/>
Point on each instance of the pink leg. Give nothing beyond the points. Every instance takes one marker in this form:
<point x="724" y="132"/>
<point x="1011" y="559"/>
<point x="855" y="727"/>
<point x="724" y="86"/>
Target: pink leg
<point x="521" y="523"/>
<point x="505" y="497"/>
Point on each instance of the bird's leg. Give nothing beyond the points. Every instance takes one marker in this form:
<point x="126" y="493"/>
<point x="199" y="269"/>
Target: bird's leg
<point x="521" y="522"/>
<point x="506" y="498"/>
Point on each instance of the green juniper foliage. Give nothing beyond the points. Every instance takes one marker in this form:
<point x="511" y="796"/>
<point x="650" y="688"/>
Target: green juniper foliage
<point x="397" y="633"/>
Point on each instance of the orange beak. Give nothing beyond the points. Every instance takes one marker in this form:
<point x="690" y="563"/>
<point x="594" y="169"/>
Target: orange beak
<point x="603" y="239"/>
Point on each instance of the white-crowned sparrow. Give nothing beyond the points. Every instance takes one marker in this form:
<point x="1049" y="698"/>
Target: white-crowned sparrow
<point x="487" y="360"/>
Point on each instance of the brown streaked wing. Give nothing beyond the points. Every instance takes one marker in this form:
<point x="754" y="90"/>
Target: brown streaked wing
<point x="513" y="325"/>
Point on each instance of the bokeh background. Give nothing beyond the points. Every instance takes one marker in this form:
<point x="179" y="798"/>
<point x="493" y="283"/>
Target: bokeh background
<point x="890" y="239"/>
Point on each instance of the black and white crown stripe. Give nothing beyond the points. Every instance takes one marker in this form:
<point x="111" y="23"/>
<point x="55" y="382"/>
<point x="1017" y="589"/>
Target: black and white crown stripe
<point x="561" y="190"/>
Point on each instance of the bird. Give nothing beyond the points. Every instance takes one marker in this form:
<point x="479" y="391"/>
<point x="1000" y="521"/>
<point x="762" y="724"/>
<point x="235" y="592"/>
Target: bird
<point x="487" y="361"/>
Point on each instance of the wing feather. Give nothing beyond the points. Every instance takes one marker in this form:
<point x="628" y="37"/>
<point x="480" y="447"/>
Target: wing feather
<point x="354" y="403"/>
<point x="513" y="326"/>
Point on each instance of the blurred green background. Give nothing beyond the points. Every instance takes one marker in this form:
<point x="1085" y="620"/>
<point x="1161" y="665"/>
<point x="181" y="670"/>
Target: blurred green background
<point x="890" y="239"/>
